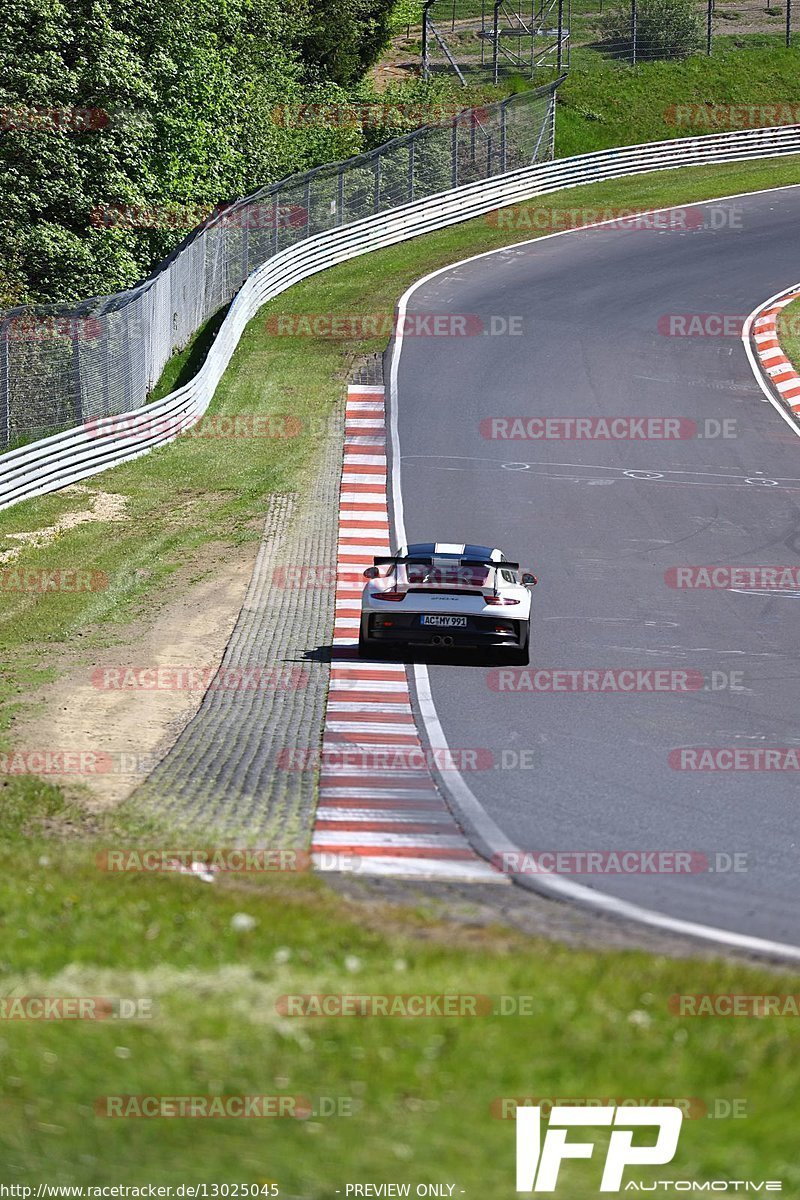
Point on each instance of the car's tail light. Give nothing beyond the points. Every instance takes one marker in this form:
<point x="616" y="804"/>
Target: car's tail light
<point x="499" y="600"/>
<point x="387" y="595"/>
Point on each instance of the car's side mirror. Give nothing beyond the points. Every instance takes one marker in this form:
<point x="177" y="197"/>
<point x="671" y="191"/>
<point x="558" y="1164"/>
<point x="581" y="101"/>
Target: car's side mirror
<point x="529" y="580"/>
<point x="372" y="573"/>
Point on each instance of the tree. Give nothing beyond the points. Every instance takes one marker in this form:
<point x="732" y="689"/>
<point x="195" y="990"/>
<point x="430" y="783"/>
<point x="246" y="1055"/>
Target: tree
<point x="179" y="102"/>
<point x="344" y="38"/>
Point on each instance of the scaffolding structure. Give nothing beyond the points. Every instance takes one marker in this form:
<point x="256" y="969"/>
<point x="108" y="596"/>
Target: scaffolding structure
<point x="529" y="38"/>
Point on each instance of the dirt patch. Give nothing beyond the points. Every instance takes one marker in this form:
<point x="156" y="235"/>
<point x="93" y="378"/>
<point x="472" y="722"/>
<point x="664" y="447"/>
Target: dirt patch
<point x="93" y="709"/>
<point x="103" y="506"/>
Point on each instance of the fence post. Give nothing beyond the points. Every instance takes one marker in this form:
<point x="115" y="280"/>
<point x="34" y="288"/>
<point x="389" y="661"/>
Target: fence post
<point x="340" y="194"/>
<point x="503" y="138"/>
<point x="77" y="397"/>
<point x="496" y="41"/>
<point x="454" y="153"/>
<point x="788" y="22"/>
<point x="411" y="147"/>
<point x="106" y="372"/>
<point x="376" y="202"/>
<point x="560" y="34"/>
<point x="425" y="66"/>
<point x="277" y="210"/>
<point x="246" y="241"/>
<point x="709" y="15"/>
<point x="5" y="384"/>
<point x="633" y="32"/>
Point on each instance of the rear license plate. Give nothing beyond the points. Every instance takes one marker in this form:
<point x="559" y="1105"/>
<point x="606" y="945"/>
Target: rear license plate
<point x="448" y="622"/>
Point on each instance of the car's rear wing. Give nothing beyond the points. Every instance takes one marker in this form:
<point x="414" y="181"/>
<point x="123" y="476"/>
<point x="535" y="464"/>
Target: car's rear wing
<point x="456" y="560"/>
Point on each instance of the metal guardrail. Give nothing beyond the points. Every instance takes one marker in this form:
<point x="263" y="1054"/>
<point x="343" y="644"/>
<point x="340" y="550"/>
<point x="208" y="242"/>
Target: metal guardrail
<point x="63" y="364"/>
<point x="79" y="453"/>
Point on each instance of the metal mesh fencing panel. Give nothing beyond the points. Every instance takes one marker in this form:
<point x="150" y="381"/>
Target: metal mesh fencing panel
<point x="61" y="366"/>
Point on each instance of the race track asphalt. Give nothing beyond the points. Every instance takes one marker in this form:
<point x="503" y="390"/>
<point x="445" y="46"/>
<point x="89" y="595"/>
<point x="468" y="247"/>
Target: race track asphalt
<point x="601" y="522"/>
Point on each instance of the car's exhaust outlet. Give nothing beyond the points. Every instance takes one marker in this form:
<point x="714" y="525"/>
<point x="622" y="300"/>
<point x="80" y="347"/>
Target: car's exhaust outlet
<point x="436" y="640"/>
<point x="447" y="641"/>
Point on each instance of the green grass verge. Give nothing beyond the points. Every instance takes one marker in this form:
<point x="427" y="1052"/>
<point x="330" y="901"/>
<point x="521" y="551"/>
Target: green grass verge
<point x="606" y="103"/>
<point x="416" y="1096"/>
<point x="789" y="332"/>
<point x="422" y="1090"/>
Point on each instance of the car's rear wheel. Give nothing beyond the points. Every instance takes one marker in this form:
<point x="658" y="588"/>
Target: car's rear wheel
<point x="521" y="655"/>
<point x="366" y="648"/>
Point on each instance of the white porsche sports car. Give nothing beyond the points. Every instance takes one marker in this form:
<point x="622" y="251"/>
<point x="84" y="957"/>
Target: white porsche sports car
<point x="442" y="594"/>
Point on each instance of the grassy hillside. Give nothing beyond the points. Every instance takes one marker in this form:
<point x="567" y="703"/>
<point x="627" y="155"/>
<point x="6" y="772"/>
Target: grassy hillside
<point x="605" y="103"/>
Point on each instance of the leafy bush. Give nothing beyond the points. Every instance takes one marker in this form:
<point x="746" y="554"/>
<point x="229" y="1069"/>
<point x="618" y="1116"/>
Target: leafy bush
<point x="664" y="28"/>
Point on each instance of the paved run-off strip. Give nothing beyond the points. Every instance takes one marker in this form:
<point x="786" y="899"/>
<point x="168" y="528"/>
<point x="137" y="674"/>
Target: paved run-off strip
<point x="374" y="816"/>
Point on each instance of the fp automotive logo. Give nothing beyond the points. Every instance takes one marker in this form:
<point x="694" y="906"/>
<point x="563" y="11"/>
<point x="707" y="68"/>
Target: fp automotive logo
<point x="538" y="1163"/>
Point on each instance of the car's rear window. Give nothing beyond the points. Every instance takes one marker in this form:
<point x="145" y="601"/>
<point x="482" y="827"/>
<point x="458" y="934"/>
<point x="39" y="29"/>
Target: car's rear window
<point x="455" y="575"/>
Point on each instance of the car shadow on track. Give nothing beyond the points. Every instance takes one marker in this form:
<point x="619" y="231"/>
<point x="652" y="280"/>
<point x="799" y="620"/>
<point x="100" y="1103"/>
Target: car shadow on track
<point x="408" y="656"/>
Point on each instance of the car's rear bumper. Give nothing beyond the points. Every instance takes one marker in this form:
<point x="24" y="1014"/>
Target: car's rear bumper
<point x="406" y="629"/>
